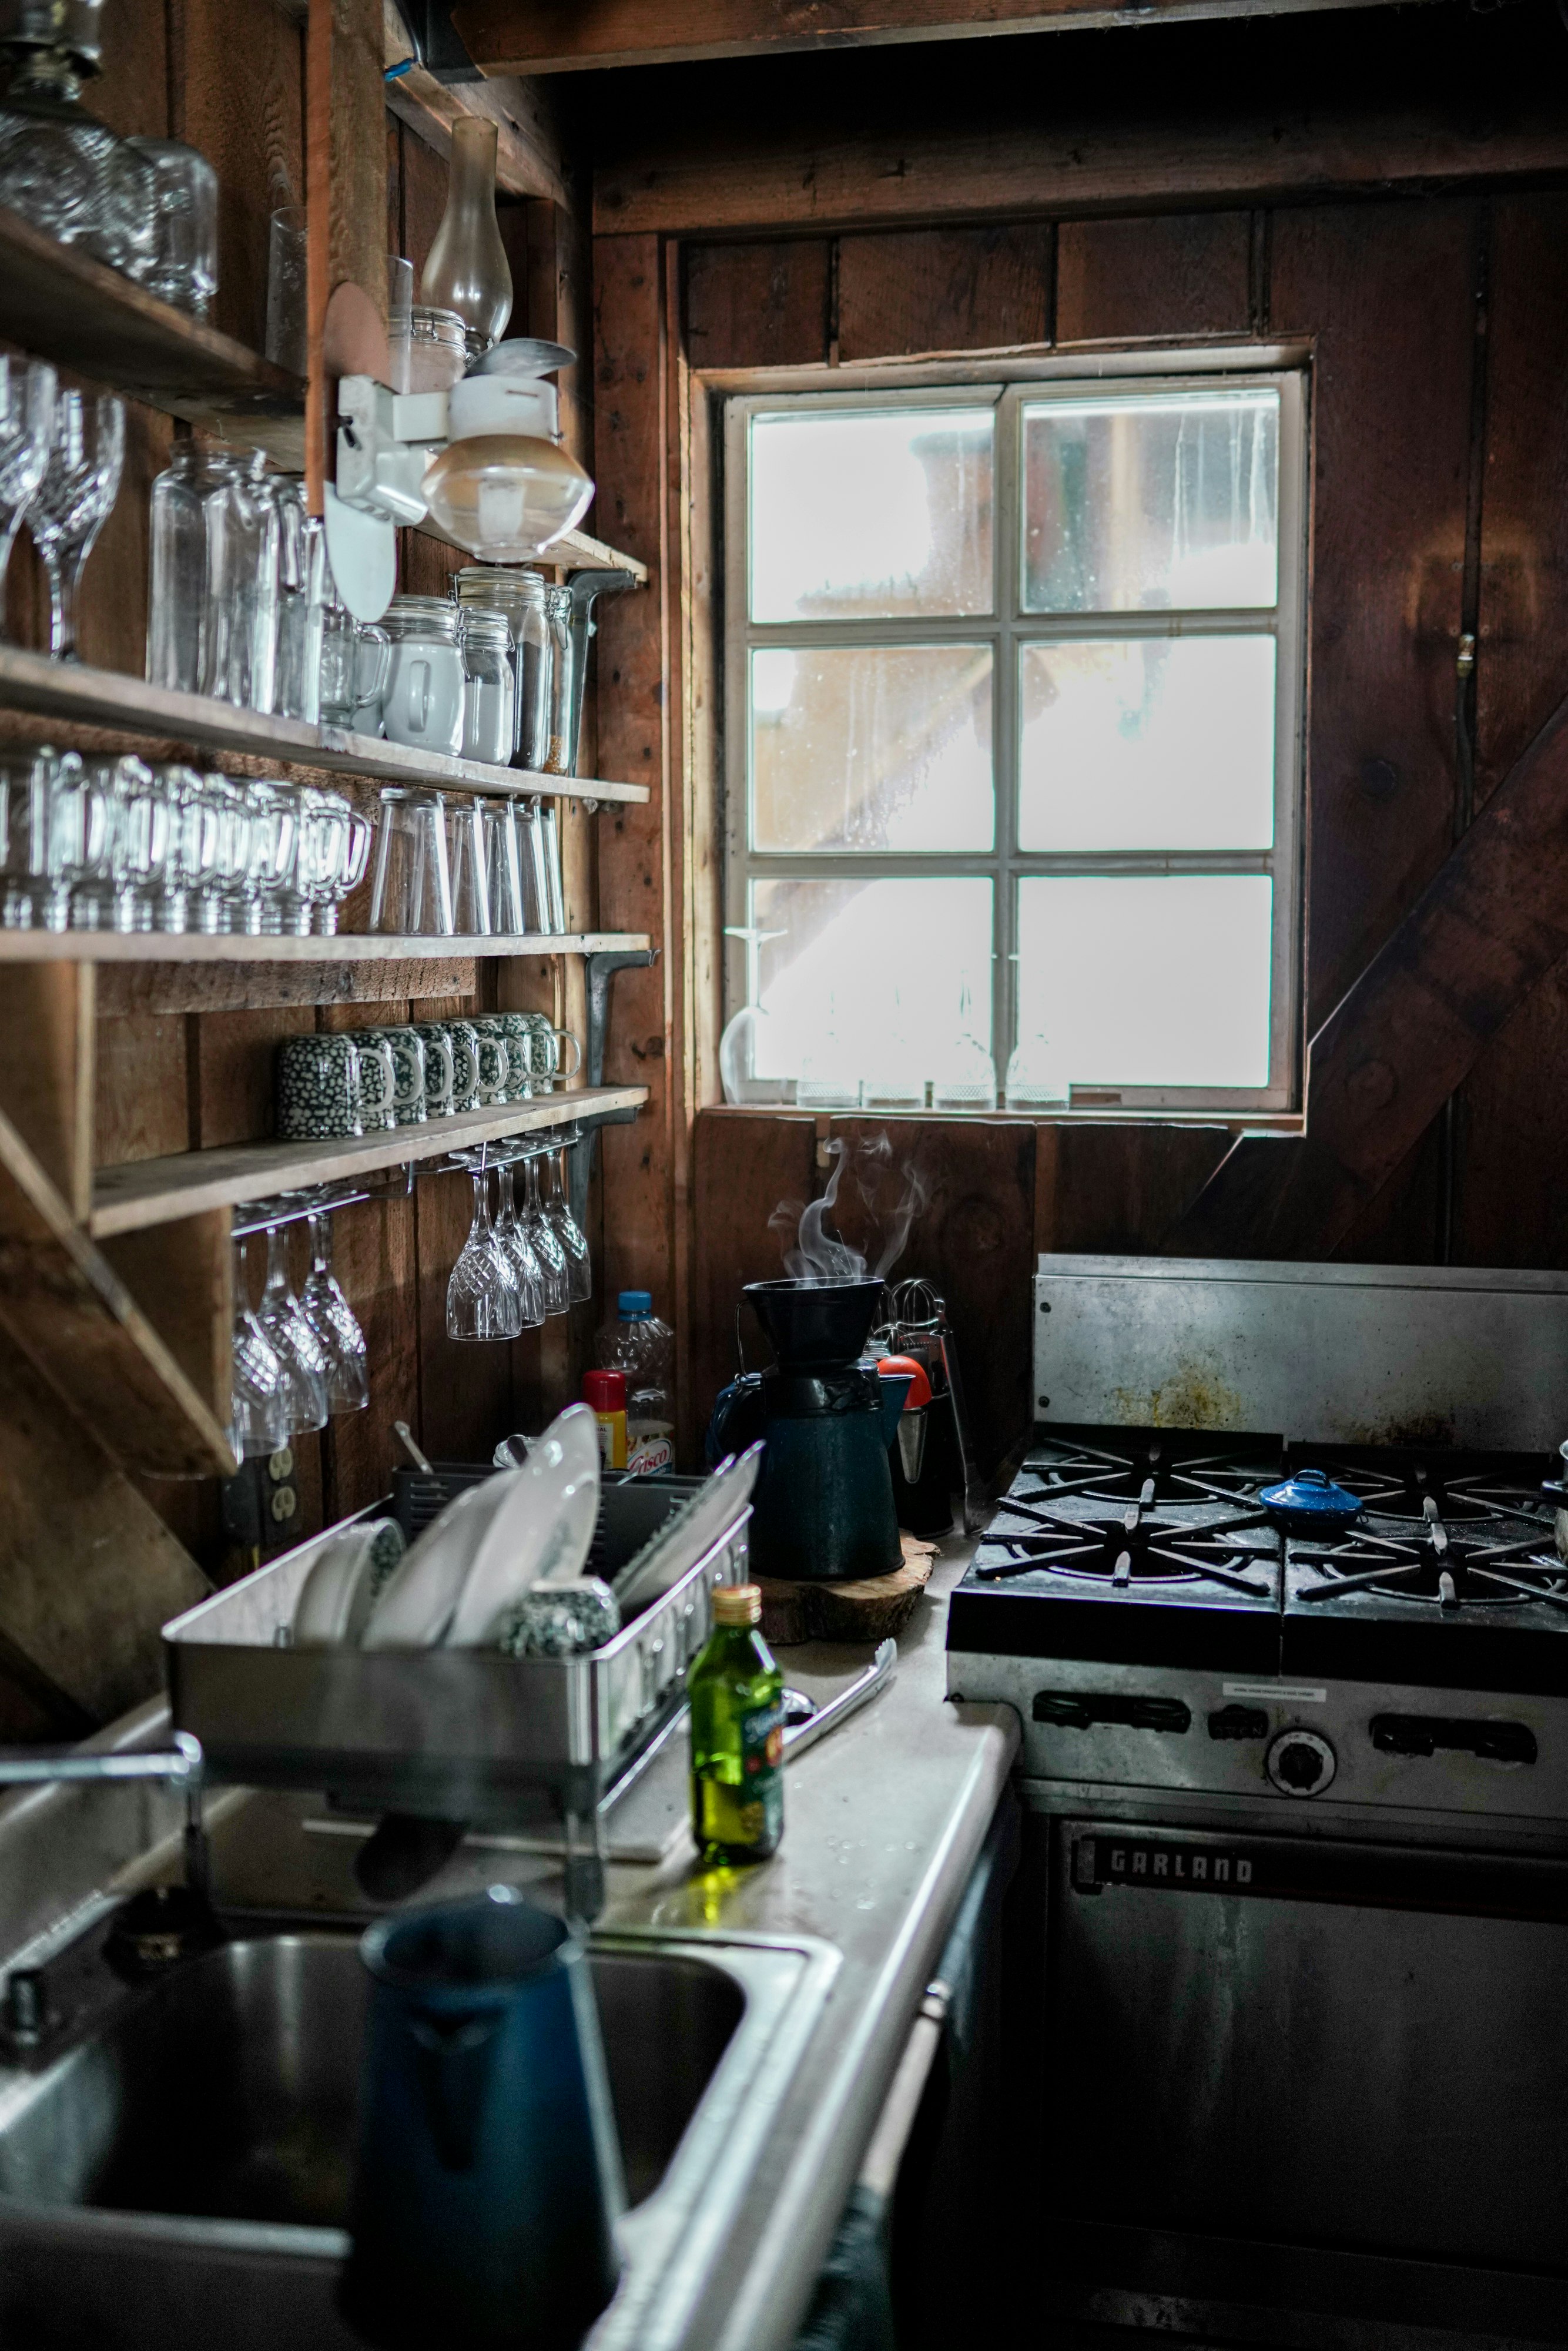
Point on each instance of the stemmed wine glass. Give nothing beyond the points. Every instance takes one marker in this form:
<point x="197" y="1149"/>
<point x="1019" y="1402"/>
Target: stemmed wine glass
<point x="483" y="1298"/>
<point x="26" y="429"/>
<point x="332" y="1318"/>
<point x="545" y="1242"/>
<point x="515" y="1242"/>
<point x="258" y="1419"/>
<point x="292" y="1341"/>
<point x="72" y="501"/>
<point x="568" y="1231"/>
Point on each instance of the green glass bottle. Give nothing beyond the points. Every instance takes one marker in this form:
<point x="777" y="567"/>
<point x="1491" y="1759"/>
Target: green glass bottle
<point x="737" y="1734"/>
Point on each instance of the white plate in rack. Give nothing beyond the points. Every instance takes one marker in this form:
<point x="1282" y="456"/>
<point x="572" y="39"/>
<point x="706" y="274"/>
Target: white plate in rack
<point x="542" y="1534"/>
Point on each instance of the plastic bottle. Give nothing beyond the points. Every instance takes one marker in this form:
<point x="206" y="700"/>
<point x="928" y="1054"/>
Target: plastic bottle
<point x="642" y="1347"/>
<point x="736" y="1695"/>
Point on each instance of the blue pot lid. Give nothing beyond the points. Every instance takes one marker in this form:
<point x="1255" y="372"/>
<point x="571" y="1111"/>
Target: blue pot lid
<point x="1311" y="1493"/>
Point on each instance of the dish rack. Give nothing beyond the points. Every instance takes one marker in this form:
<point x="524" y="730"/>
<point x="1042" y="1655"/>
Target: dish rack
<point x="466" y="1735"/>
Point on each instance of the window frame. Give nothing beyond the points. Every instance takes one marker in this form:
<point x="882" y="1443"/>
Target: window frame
<point x="1006" y="630"/>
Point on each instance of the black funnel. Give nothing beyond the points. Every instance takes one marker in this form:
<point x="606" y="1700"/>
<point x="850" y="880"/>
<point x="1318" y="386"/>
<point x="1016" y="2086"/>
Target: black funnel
<point x="813" y="1324"/>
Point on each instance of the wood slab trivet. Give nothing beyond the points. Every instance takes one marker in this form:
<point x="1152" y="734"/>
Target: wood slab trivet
<point x="874" y="1608"/>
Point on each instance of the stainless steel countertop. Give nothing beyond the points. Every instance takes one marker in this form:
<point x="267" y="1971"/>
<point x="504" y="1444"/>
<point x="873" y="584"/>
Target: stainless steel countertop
<point x="882" y="1823"/>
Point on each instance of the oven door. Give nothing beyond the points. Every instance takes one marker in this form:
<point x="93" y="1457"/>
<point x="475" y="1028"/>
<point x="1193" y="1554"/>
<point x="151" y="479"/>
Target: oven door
<point x="1322" y="2042"/>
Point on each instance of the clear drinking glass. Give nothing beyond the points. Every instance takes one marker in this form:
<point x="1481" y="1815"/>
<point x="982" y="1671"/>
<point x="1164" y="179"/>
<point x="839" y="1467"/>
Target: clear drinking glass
<point x="73" y="499"/>
<point x="411" y="892"/>
<point x="302" y="578"/>
<point x="218" y="903"/>
<point x="320" y="858"/>
<point x="183" y="266"/>
<point x="354" y="663"/>
<point x="335" y="1324"/>
<point x="504" y="868"/>
<point x="568" y="1231"/>
<point x="533" y="847"/>
<point x="966" y="1075"/>
<point x="545" y="1244"/>
<point x="558" y="621"/>
<point x="400" y="320"/>
<point x="468" y="865"/>
<point x="239" y="655"/>
<point x="193" y="845"/>
<point x="350" y="872"/>
<point x="140" y="846"/>
<point x="25" y="871"/>
<point x="292" y="1342"/>
<point x="288" y="314"/>
<point x="27" y="388"/>
<point x="274" y="817"/>
<point x="554" y="878"/>
<point x="515" y="1242"/>
<point x="484" y="1299"/>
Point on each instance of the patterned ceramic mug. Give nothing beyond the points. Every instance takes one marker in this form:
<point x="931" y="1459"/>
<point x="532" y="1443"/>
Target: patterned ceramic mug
<point x="331" y="1085"/>
<point x="553" y="1052"/>
<point x="480" y="1067"/>
<point x="439" y="1066"/>
<point x="511" y="1029"/>
<point x="406" y="1047"/>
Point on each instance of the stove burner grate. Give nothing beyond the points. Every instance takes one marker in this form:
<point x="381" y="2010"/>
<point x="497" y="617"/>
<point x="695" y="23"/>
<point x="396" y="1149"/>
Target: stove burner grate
<point x="1150" y="1468"/>
<point x="1478" y="1538"/>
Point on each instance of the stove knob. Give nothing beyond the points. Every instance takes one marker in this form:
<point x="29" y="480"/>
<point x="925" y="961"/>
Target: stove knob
<point x="1300" y="1764"/>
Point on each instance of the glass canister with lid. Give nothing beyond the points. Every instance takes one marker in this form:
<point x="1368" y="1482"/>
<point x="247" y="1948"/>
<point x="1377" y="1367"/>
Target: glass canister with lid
<point x="425" y="693"/>
<point x="487" y="690"/>
<point x="437" y="350"/>
<point x="520" y="596"/>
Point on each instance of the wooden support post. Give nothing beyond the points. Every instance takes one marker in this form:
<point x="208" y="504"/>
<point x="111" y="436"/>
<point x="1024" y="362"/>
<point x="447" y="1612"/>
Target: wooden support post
<point x="345" y="186"/>
<point x="1491" y="924"/>
<point x="46" y="1070"/>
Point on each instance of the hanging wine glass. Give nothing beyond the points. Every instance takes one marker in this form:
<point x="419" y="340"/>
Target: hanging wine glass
<point x="568" y="1231"/>
<point x="482" y="1297"/>
<point x="515" y="1242"/>
<point x="545" y="1242"/>
<point x="258" y="1415"/>
<point x="292" y="1341"/>
<point x="333" y="1321"/>
<point x="26" y="430"/>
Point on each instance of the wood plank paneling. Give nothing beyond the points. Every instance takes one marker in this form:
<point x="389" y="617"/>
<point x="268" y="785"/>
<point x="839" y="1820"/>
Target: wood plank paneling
<point x="1511" y="1205"/>
<point x="1175" y="274"/>
<point x="251" y="128"/>
<point x="1116" y="1189"/>
<point x="1386" y="292"/>
<point x="759" y="305"/>
<point x="742" y="1169"/>
<point x="635" y="877"/>
<point x="944" y="291"/>
<point x="142" y="1111"/>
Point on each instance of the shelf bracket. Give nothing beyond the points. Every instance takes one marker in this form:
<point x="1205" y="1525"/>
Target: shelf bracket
<point x="599" y="970"/>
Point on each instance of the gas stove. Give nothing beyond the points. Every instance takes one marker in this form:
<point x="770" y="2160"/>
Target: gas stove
<point x="1295" y="1799"/>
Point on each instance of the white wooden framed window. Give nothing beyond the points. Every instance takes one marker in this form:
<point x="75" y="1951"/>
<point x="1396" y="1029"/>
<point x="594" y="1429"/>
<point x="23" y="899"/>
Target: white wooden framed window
<point x="1013" y="687"/>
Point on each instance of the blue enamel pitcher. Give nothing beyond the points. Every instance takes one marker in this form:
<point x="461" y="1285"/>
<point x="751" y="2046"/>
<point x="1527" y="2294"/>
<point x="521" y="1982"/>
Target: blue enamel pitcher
<point x="489" y="2174"/>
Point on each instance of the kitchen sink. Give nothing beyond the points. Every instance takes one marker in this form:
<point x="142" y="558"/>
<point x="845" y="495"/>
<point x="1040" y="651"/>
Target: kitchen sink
<point x="178" y="2174"/>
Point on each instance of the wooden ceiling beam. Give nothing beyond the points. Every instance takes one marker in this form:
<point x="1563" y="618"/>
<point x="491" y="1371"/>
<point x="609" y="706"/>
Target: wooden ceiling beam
<point x="1491" y="924"/>
<point x="549" y="37"/>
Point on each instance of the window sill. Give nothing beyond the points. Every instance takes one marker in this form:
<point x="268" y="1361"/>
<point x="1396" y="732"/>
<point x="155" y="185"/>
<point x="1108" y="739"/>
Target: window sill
<point x="1270" y="1122"/>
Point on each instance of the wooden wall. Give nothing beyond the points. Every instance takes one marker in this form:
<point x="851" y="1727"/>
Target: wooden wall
<point x="1437" y="323"/>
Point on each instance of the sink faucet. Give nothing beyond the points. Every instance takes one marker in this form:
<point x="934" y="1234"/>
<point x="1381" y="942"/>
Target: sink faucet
<point x="179" y="1767"/>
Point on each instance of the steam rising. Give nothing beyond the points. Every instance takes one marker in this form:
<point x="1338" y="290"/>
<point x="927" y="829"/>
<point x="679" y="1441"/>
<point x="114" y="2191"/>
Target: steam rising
<point x="813" y="1252"/>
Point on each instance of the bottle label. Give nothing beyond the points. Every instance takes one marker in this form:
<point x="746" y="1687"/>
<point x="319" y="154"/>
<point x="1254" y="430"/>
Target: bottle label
<point x="762" y="1763"/>
<point x="650" y="1451"/>
<point x="611" y="1427"/>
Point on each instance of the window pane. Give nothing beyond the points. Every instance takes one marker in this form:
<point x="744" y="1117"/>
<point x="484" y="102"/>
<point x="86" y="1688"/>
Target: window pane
<point x="868" y="516"/>
<point x="1169" y="500"/>
<point x="865" y="747"/>
<point x="871" y="976"/>
<point x="1147" y="743"/>
<point x="1147" y="980"/>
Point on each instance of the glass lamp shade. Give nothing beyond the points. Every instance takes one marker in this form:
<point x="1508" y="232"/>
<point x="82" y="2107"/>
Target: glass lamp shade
<point x="467" y="269"/>
<point x="506" y="496"/>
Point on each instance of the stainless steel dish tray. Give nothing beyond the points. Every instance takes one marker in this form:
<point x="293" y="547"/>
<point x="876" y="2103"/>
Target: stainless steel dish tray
<point x="459" y="1734"/>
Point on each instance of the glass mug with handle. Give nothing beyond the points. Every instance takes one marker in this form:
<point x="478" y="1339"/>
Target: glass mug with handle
<point x="355" y="663"/>
<point x="330" y="1086"/>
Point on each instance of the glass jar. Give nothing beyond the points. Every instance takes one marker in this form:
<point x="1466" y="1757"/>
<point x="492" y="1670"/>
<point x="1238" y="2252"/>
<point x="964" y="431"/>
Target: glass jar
<point x="557" y="620"/>
<point x="488" y="691"/>
<point x="239" y="651"/>
<point x="59" y="168"/>
<point x="424" y="705"/>
<point x="304" y="582"/>
<point x="437" y="350"/>
<point x="520" y="596"/>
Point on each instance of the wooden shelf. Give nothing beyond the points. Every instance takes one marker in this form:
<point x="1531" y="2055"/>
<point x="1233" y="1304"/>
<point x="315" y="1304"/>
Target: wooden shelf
<point x="72" y="693"/>
<point x="575" y="551"/>
<point x="344" y="946"/>
<point x="158" y="1191"/>
<point x="60" y="304"/>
